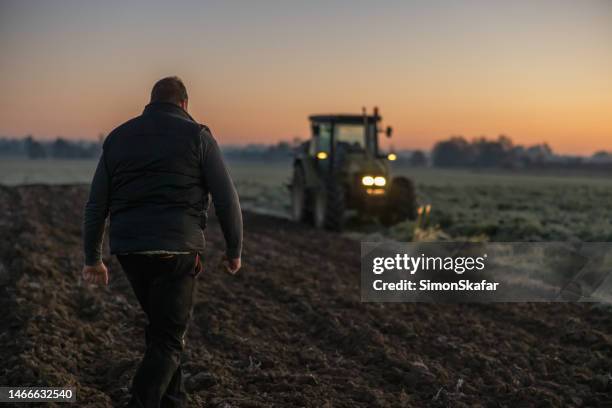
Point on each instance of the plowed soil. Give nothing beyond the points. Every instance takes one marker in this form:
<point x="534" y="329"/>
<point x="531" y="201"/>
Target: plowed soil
<point x="288" y="331"/>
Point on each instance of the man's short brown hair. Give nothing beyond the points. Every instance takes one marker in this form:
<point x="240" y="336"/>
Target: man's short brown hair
<point x="169" y="89"/>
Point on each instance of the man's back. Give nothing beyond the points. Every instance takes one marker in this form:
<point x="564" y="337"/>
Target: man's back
<point x="158" y="199"/>
<point x="154" y="178"/>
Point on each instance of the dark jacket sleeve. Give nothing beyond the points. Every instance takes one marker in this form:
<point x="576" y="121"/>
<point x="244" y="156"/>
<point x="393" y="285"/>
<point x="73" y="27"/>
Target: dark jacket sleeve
<point x="96" y="211"/>
<point x="225" y="199"/>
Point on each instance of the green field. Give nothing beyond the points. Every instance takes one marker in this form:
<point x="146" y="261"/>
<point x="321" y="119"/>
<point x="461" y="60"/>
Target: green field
<point x="496" y="206"/>
<point x="511" y="207"/>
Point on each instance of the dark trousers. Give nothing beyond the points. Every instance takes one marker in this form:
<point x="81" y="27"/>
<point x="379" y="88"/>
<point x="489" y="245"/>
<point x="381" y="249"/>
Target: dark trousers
<point x="164" y="286"/>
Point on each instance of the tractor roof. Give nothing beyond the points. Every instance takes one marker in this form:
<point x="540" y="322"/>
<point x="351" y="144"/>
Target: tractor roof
<point x="343" y="118"/>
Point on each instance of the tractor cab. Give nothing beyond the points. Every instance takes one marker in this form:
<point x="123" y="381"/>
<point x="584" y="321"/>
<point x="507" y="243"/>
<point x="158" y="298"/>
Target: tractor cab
<point x="342" y="134"/>
<point x="341" y="168"/>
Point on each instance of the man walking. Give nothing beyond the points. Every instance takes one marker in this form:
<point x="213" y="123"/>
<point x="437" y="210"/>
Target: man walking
<point x="154" y="178"/>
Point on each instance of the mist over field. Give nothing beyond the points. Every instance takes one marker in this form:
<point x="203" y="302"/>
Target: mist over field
<point x="494" y="205"/>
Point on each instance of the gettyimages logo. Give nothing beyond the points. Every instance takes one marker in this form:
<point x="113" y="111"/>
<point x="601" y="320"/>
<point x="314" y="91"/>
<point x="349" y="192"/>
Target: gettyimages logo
<point x="486" y="272"/>
<point x="411" y="264"/>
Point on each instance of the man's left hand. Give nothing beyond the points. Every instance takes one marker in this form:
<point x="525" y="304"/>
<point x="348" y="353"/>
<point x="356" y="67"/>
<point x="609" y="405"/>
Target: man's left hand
<point x="97" y="274"/>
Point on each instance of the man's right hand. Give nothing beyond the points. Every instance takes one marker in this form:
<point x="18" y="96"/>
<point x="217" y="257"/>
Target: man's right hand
<point x="96" y="274"/>
<point x="232" y="265"/>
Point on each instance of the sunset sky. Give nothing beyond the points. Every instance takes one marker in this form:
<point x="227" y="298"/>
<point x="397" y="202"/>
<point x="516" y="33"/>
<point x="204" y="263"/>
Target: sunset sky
<point x="534" y="70"/>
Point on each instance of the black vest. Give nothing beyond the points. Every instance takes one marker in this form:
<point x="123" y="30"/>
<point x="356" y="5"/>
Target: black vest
<point x="157" y="201"/>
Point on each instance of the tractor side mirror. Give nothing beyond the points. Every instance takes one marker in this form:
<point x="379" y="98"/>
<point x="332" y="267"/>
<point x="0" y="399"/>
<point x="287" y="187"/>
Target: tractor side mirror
<point x="389" y="131"/>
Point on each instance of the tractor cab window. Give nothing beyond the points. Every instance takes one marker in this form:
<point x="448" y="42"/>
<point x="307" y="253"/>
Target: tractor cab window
<point x="322" y="143"/>
<point x="351" y="137"/>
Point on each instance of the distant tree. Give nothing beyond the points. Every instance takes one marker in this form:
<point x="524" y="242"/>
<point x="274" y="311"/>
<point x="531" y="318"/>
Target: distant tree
<point x="539" y="153"/>
<point x="454" y="152"/>
<point x="11" y="147"/>
<point x="61" y="149"/>
<point x="501" y="152"/>
<point x="34" y="149"/>
<point x="65" y="149"/>
<point x="601" y="157"/>
<point x="94" y="149"/>
<point x="418" y="159"/>
<point x="282" y="148"/>
<point x="491" y="153"/>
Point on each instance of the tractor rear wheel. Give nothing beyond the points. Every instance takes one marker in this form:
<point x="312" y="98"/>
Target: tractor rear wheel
<point x="300" y="210"/>
<point x="401" y="202"/>
<point x="329" y="206"/>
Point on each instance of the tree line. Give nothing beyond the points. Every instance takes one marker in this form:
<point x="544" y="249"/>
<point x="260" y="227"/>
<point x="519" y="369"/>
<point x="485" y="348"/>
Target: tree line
<point x="60" y="148"/>
<point x="502" y="152"/>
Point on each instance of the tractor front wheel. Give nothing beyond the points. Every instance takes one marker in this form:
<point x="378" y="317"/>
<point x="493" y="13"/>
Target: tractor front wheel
<point x="401" y="202"/>
<point x="329" y="206"/>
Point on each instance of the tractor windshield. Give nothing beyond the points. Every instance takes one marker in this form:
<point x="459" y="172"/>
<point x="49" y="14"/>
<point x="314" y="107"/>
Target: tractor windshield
<point x="352" y="136"/>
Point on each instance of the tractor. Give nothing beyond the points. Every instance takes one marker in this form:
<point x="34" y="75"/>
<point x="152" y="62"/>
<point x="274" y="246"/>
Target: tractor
<point x="340" y="169"/>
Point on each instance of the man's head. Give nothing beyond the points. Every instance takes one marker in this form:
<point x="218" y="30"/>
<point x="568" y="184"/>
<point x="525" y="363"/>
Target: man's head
<point x="170" y="89"/>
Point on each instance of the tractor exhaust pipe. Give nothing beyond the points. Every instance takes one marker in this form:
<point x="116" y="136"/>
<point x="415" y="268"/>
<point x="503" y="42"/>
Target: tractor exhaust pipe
<point x="365" y="121"/>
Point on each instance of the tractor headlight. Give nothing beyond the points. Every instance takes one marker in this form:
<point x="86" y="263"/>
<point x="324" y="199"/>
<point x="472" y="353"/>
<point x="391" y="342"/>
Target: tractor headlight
<point x="367" y="181"/>
<point x="380" y="181"/>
